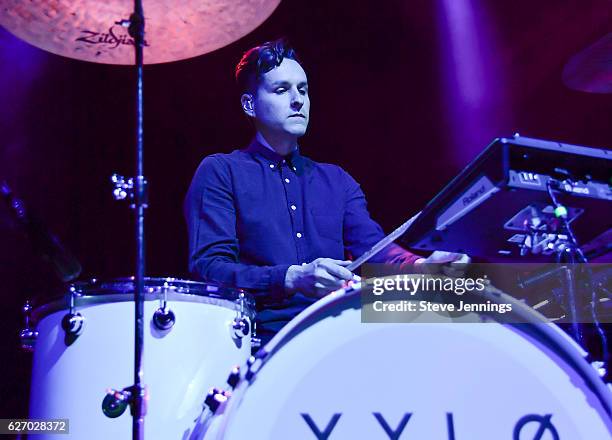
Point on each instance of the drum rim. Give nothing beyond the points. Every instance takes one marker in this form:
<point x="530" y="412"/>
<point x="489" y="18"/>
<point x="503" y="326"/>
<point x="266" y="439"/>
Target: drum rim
<point x="542" y="330"/>
<point x="101" y="284"/>
<point x="102" y="291"/>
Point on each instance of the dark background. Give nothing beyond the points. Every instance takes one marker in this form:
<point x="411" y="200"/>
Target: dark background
<point x="404" y="94"/>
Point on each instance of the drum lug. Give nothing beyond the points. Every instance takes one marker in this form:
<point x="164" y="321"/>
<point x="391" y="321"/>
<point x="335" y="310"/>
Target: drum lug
<point x="234" y="377"/>
<point x="254" y="364"/>
<point x="164" y="318"/>
<point x="215" y="398"/>
<point x="27" y="335"/>
<point x="241" y="324"/>
<point x="241" y="327"/>
<point x="73" y="324"/>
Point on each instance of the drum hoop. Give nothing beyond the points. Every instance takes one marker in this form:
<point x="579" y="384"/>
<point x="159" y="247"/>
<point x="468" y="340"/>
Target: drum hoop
<point x="538" y="328"/>
<point x="184" y="286"/>
<point x="87" y="294"/>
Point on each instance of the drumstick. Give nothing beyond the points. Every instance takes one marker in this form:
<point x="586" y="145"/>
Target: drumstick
<point x="383" y="243"/>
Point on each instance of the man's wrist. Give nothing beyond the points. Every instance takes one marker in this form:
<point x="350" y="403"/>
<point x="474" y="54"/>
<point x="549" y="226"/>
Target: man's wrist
<point x="290" y="278"/>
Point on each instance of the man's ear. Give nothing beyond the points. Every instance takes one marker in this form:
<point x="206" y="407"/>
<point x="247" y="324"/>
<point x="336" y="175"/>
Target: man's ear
<point x="247" y="104"/>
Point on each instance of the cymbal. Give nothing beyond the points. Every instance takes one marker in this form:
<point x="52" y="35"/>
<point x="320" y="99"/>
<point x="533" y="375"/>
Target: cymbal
<point x="590" y="70"/>
<point x="175" y="29"/>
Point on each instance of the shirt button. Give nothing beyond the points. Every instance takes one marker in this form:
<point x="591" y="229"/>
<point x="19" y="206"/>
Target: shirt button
<point x="287" y="181"/>
<point x="298" y="235"/>
<point x="293" y="207"/>
<point x="294" y="168"/>
<point x="271" y="165"/>
<point x="284" y="161"/>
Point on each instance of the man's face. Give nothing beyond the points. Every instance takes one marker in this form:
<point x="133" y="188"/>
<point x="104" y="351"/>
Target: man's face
<point x="281" y="104"/>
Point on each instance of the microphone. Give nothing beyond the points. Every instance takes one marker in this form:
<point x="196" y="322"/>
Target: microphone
<point x="46" y="244"/>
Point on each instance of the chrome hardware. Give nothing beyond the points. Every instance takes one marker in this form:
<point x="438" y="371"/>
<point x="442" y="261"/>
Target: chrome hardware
<point x="234" y="377"/>
<point x="124" y="188"/>
<point x="241" y="324"/>
<point x="27" y="335"/>
<point x="215" y="398"/>
<point x="254" y="364"/>
<point x="28" y="339"/>
<point x="164" y="318"/>
<point x="255" y="342"/>
<point x="115" y="402"/>
<point x="73" y="323"/>
<point x="241" y="327"/>
<point x="600" y="367"/>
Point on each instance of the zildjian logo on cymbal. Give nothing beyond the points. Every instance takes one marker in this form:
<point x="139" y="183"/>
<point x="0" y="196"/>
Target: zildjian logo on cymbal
<point x="110" y="38"/>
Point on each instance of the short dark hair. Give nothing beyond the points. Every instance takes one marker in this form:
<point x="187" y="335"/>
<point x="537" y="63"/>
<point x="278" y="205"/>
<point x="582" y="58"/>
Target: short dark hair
<point x="259" y="60"/>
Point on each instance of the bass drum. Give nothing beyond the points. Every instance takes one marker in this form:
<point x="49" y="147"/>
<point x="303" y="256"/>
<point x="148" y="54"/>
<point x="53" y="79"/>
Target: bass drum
<point x="328" y="375"/>
<point x="183" y="357"/>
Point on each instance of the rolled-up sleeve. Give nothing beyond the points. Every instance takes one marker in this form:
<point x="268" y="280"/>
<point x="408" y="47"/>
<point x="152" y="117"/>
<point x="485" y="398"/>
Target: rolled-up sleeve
<point x="214" y="251"/>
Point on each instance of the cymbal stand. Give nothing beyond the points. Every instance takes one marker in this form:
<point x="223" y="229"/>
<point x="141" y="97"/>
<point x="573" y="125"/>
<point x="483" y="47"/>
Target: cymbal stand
<point x="115" y="402"/>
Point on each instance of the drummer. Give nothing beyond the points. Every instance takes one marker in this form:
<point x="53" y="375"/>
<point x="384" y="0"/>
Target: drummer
<point x="269" y="219"/>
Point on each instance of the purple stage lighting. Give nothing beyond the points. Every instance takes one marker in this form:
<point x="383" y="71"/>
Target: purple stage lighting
<point x="470" y="82"/>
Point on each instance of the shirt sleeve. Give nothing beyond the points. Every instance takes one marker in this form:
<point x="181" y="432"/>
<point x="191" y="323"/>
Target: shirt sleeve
<point x="213" y="243"/>
<point x="361" y="233"/>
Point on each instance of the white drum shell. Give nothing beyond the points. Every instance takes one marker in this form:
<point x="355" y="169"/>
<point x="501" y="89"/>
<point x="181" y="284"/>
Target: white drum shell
<point x="180" y="366"/>
<point x="489" y="376"/>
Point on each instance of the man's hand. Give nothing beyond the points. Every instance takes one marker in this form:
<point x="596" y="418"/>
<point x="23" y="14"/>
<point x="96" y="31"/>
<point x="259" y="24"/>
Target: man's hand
<point x="318" y="278"/>
<point x="448" y="263"/>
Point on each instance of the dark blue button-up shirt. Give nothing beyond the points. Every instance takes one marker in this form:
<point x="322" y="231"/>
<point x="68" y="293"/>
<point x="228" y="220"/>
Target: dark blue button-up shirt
<point x="252" y="213"/>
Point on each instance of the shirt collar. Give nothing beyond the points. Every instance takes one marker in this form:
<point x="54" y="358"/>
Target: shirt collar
<point x="262" y="140"/>
<point x="258" y="148"/>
